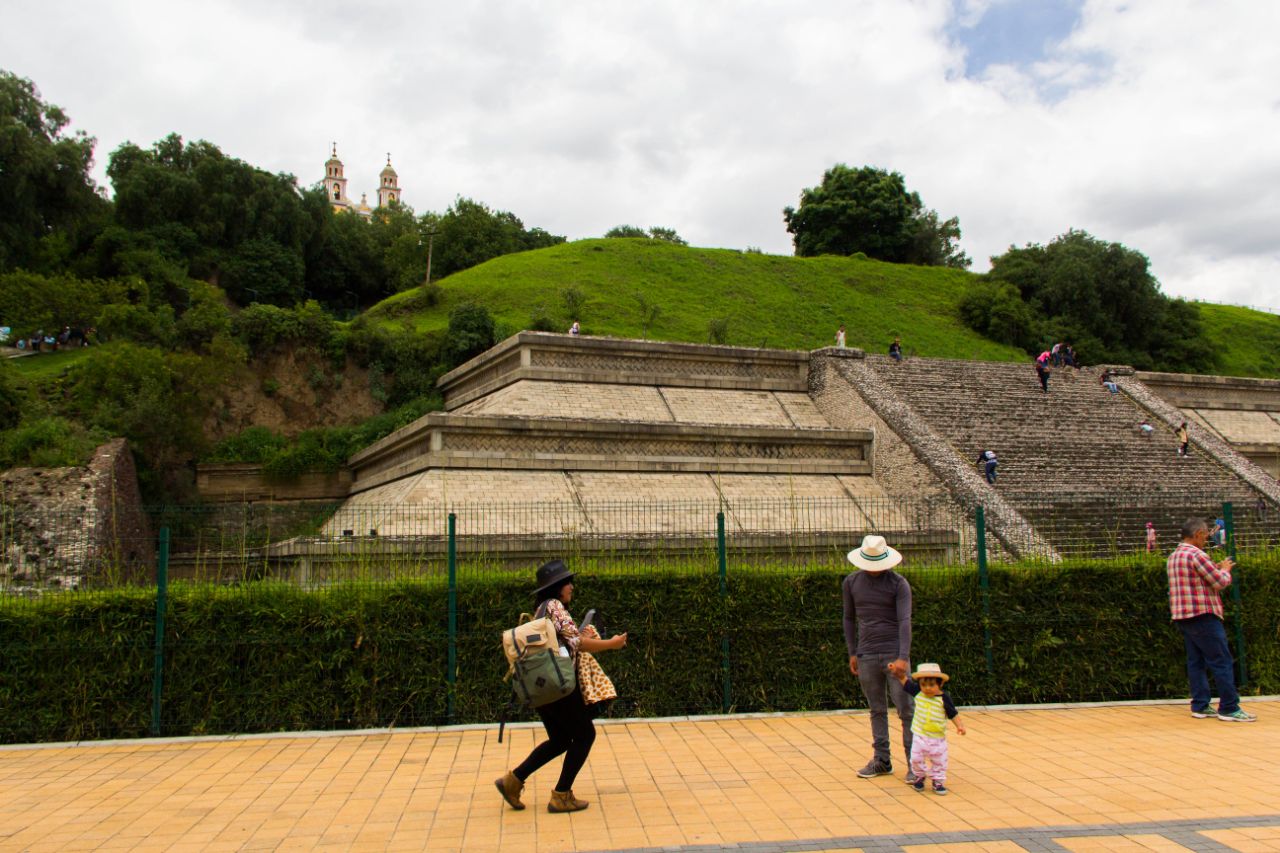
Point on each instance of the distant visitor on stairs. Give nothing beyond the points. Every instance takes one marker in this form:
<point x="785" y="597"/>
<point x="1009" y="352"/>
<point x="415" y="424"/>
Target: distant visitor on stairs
<point x="987" y="459"/>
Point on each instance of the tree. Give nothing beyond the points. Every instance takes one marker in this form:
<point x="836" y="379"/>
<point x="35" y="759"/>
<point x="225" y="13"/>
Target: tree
<point x="666" y="235"/>
<point x="344" y="264"/>
<point x="50" y="201"/>
<point x="1099" y="296"/>
<point x="657" y="232"/>
<point x="650" y="311"/>
<point x="261" y="270"/>
<point x="202" y="206"/>
<point x="626" y="231"/>
<point x="469" y="233"/>
<point x="871" y="211"/>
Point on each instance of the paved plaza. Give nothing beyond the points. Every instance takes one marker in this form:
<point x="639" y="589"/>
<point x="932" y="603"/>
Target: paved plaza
<point x="1115" y="777"/>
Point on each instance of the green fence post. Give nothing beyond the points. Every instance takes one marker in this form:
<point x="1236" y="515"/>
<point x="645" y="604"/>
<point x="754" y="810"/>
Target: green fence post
<point x="1237" y="605"/>
<point x="162" y="600"/>
<point x="451" y="678"/>
<point x="980" y="524"/>
<point x="726" y="686"/>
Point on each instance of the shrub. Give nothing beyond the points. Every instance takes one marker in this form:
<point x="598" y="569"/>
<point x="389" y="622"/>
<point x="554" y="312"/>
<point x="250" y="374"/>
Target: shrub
<point x="10" y="400"/>
<point x="718" y="330"/>
<point x="541" y="321"/>
<point x="574" y="301"/>
<point x="470" y="331"/>
<point x="255" y="444"/>
<point x="48" y="442"/>
<point x="263" y="656"/>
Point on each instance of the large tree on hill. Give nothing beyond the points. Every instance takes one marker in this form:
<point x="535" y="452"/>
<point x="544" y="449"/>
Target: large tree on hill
<point x="871" y="211"/>
<point x="221" y="215"/>
<point x="469" y="233"/>
<point x="47" y="199"/>
<point x="1099" y="296"/>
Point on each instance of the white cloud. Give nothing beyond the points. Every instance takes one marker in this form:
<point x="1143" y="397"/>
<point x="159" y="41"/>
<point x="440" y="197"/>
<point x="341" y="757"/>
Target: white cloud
<point x="1153" y="123"/>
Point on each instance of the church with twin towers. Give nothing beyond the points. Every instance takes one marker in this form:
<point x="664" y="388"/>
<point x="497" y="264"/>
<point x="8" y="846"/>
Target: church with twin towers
<point x="335" y="185"/>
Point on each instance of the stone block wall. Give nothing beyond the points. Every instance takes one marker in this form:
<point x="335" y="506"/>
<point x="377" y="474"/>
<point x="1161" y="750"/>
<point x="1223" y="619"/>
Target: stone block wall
<point x="66" y="527"/>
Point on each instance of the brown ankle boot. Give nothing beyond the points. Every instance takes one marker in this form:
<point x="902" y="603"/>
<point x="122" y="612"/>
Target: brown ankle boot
<point x="510" y="787"/>
<point x="564" y="801"/>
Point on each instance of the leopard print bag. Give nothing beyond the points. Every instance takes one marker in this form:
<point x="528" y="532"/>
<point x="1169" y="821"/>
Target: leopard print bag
<point x="596" y="686"/>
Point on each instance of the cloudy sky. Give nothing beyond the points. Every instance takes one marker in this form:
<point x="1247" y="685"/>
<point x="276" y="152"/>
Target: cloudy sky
<point x="1155" y="123"/>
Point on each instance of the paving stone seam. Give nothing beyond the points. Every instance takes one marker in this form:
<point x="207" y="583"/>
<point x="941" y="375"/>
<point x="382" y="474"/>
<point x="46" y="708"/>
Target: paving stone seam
<point x="1185" y="832"/>
<point x="605" y="721"/>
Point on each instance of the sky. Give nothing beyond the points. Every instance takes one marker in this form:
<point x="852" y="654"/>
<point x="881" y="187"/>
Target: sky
<point x="1153" y="123"/>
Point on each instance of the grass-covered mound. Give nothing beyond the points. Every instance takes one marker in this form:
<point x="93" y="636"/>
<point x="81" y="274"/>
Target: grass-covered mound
<point x="1245" y="342"/>
<point x="762" y="300"/>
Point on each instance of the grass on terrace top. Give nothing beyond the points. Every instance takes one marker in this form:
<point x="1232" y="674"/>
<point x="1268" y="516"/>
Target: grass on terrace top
<point x="768" y="300"/>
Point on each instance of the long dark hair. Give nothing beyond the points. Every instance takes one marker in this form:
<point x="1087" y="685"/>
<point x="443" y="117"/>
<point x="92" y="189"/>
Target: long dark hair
<point x="550" y="592"/>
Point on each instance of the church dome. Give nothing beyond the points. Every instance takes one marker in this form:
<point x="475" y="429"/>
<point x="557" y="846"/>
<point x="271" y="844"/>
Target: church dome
<point x="387" y="170"/>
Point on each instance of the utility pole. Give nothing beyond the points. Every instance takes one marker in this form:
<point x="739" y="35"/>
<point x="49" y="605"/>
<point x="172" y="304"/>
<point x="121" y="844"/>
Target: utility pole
<point x="431" y="239"/>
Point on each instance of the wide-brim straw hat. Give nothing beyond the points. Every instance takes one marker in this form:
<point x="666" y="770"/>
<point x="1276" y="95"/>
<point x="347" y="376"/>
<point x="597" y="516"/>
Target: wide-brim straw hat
<point x="552" y="574"/>
<point x="874" y="555"/>
<point x="930" y="670"/>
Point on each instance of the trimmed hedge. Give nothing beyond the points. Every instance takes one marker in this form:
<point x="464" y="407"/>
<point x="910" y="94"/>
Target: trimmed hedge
<point x="267" y="656"/>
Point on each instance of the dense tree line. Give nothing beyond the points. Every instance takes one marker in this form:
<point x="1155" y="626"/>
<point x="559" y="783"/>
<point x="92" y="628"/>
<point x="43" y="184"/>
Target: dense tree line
<point x="1101" y="297"/>
<point x="198" y="263"/>
<point x="186" y="210"/>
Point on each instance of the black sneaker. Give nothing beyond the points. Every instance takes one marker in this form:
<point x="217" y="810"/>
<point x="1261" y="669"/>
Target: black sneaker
<point x="939" y="789"/>
<point x="918" y="784"/>
<point x="875" y="767"/>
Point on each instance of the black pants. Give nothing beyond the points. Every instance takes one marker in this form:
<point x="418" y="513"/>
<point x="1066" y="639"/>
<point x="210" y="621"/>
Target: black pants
<point x="569" y="731"/>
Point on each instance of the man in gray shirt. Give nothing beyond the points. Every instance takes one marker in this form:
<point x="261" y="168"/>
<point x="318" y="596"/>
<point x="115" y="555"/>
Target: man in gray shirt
<point x="877" y="630"/>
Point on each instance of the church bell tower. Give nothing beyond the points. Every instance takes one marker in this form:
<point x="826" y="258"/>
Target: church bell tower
<point x="335" y="185"/>
<point x="388" y="185"/>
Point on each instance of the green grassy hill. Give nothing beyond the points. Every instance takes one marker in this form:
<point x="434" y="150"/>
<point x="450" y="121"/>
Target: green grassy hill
<point x="767" y="300"/>
<point x="1245" y="342"/>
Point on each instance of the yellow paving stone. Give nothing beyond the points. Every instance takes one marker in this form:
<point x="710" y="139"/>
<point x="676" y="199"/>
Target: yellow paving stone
<point x="1254" y="839"/>
<point x="651" y="783"/>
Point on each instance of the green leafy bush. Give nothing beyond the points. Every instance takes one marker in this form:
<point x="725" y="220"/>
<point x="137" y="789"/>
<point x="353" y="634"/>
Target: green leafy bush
<point x="315" y="450"/>
<point x="48" y="442"/>
<point x="10" y="400"/>
<point x="470" y="331"/>
<point x="265" y="656"/>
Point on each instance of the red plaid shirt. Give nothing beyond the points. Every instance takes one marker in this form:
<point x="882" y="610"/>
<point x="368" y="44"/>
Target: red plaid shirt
<point x="1194" y="582"/>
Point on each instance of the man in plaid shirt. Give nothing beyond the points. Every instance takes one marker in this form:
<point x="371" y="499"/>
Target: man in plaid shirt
<point x="1194" y="584"/>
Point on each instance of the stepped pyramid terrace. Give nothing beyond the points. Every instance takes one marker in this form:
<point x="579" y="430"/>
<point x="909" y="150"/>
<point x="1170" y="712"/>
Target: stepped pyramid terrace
<point x="551" y="443"/>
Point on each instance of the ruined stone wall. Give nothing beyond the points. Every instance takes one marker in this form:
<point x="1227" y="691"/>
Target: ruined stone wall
<point x="65" y="527"/>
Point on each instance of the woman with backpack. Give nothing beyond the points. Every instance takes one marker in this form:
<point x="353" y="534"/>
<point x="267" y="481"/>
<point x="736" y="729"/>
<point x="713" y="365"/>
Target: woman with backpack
<point x="568" y="721"/>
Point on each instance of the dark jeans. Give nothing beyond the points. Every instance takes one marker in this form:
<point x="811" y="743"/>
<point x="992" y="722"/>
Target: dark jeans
<point x="1044" y="380"/>
<point x="569" y="731"/>
<point x="991" y="473"/>
<point x="881" y="688"/>
<point x="1206" y="642"/>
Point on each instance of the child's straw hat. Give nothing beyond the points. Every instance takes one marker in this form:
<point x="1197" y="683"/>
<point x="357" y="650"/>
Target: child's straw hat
<point x="930" y="670"/>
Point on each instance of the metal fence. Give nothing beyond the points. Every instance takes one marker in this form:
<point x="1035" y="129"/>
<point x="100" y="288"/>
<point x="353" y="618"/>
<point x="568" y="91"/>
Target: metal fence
<point x="44" y="552"/>
<point x="949" y="550"/>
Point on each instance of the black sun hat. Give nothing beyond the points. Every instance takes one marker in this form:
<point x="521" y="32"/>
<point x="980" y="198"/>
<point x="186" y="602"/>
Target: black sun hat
<point x="552" y="574"/>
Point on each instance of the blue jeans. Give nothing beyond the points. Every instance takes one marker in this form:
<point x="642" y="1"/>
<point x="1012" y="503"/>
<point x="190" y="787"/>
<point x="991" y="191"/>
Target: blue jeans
<point x="991" y="472"/>
<point x="1206" y="642"/>
<point x="880" y="687"/>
